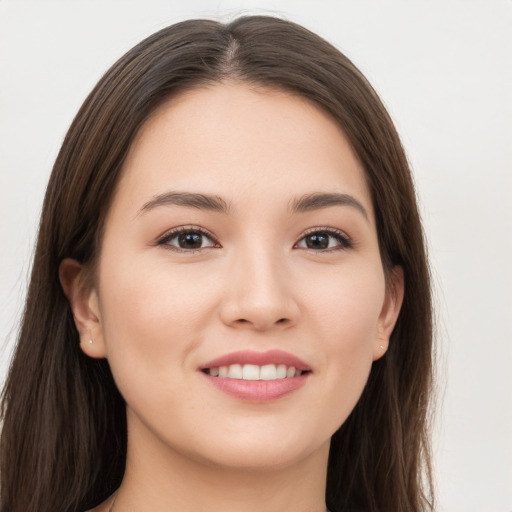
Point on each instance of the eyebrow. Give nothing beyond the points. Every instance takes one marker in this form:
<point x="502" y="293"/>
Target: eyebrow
<point x="318" y="200"/>
<point x="190" y="199"/>
<point x="305" y="203"/>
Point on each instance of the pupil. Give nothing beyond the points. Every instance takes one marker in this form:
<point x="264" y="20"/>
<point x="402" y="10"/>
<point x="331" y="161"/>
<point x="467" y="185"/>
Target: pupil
<point x="190" y="240"/>
<point x="317" y="241"/>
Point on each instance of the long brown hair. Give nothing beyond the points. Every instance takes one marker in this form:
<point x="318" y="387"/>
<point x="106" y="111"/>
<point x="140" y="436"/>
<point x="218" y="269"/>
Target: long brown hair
<point x="63" y="444"/>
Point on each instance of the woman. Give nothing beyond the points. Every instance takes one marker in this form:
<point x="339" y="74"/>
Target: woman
<point x="230" y="302"/>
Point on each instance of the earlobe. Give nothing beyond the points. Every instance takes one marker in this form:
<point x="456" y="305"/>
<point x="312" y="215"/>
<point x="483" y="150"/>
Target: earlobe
<point x="390" y="311"/>
<point x="83" y="299"/>
<point x="96" y="350"/>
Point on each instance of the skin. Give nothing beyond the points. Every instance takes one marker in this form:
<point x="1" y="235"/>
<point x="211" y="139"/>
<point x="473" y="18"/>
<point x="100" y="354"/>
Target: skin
<point x="158" y="313"/>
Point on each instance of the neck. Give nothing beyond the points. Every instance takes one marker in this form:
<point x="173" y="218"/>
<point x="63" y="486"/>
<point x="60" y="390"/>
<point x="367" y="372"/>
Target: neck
<point x="160" y="479"/>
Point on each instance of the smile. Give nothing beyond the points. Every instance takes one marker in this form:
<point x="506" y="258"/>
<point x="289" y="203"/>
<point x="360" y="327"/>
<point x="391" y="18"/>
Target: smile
<point x="254" y="372"/>
<point x="257" y="376"/>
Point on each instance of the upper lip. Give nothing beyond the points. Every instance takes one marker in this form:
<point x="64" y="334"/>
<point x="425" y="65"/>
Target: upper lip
<point x="242" y="357"/>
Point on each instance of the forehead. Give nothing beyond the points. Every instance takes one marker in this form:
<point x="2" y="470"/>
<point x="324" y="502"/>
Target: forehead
<point x="243" y="144"/>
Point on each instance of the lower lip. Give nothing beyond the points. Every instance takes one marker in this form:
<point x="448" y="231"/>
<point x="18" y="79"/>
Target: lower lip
<point x="257" y="390"/>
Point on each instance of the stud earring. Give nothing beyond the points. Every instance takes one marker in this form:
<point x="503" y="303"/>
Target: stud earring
<point x="382" y="346"/>
<point x="90" y="342"/>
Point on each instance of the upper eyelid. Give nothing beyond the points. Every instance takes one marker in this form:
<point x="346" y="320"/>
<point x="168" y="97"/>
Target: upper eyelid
<point x="187" y="228"/>
<point x="329" y="230"/>
<point x="324" y="229"/>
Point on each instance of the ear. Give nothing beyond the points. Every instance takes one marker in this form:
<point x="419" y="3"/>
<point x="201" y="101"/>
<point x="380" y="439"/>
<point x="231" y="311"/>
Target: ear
<point x="390" y="311"/>
<point x="83" y="299"/>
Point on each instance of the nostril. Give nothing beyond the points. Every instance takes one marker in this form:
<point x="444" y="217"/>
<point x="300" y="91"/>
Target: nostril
<point x="261" y="323"/>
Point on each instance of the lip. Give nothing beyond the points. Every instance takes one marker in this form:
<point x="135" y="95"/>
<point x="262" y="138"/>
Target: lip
<point x="258" y="358"/>
<point x="257" y="391"/>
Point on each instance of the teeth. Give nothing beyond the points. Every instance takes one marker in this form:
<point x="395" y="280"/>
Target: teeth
<point x="290" y="372"/>
<point x="255" y="372"/>
<point x="268" y="372"/>
<point x="251" y="372"/>
<point x="235" y="371"/>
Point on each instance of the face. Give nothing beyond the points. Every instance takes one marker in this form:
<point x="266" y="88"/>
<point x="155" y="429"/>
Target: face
<point x="241" y="241"/>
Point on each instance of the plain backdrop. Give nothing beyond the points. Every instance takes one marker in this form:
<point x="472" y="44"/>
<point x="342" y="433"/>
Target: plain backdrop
<point x="443" y="69"/>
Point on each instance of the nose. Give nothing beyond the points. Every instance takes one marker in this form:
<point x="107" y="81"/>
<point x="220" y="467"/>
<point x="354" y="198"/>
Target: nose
<point x="259" y="295"/>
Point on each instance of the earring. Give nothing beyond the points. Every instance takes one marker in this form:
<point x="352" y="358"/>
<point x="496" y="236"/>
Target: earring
<point x="90" y="343"/>
<point x="382" y="346"/>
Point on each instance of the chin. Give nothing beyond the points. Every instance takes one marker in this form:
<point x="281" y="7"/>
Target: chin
<point x="262" y="453"/>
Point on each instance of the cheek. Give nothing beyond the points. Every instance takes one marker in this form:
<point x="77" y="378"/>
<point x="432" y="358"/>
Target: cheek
<point x="152" y="315"/>
<point x="346" y="303"/>
<point x="152" y="320"/>
<point x="346" y="312"/>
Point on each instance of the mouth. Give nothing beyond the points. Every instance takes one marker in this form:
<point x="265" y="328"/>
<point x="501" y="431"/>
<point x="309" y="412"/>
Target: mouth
<point x="254" y="372"/>
<point x="257" y="376"/>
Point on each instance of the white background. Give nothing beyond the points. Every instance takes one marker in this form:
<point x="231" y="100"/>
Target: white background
<point x="444" y="70"/>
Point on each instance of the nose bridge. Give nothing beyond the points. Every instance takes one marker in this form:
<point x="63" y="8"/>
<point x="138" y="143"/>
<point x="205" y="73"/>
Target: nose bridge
<point x="259" y="294"/>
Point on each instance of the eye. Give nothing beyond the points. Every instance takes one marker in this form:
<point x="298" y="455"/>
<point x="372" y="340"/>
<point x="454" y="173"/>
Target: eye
<point x="324" y="240"/>
<point x="186" y="239"/>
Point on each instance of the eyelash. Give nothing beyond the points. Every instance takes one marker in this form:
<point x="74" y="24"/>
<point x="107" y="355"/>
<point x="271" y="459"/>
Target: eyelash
<point x="173" y="233"/>
<point x="344" y="241"/>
